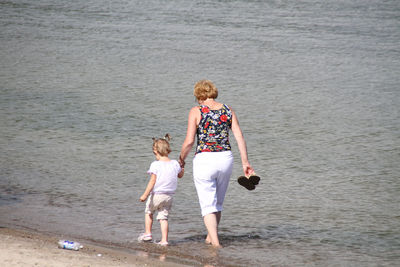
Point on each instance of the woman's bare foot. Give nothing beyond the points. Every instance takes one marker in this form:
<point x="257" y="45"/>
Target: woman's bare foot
<point x="208" y="242"/>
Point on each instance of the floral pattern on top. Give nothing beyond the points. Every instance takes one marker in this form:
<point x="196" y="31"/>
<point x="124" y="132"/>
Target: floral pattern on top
<point x="213" y="129"/>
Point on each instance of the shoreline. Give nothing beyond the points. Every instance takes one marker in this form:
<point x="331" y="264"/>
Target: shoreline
<point x="22" y="247"/>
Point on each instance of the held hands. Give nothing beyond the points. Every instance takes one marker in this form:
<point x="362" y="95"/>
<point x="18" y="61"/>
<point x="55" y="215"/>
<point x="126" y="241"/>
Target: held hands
<point x="181" y="162"/>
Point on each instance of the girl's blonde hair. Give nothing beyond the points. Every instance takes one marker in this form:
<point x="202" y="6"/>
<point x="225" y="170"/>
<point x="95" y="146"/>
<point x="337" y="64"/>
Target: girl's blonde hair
<point x="204" y="89"/>
<point x="161" y="145"/>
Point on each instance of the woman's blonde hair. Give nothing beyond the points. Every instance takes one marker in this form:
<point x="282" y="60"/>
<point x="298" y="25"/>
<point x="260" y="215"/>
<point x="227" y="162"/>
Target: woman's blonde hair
<point x="161" y="145"/>
<point x="205" y="89"/>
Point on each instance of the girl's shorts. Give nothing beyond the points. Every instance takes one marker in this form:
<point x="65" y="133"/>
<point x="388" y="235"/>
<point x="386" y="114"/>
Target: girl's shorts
<point x="161" y="203"/>
<point x="212" y="172"/>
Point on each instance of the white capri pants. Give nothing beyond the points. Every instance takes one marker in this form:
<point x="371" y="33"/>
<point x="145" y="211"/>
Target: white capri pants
<point x="212" y="172"/>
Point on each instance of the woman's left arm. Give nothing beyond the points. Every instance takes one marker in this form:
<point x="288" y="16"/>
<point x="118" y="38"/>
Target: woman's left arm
<point x="237" y="132"/>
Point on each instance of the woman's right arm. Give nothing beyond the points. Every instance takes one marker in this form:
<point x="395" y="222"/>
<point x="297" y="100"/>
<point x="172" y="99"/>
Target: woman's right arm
<point x="193" y="121"/>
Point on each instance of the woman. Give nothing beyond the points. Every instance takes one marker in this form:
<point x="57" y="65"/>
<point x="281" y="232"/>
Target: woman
<point x="213" y="162"/>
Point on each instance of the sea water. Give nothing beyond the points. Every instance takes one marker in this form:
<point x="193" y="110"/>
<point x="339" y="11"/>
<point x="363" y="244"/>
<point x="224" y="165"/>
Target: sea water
<point x="85" y="85"/>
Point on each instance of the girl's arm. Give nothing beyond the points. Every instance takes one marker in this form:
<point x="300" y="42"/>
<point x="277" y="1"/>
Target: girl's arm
<point x="237" y="132"/>
<point x="149" y="187"/>
<point x="193" y="121"/>
<point x="180" y="175"/>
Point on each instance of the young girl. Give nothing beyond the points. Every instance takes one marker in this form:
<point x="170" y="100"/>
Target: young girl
<point x="160" y="189"/>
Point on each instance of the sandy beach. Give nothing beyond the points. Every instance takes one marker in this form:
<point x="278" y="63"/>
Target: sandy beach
<point x="26" y="248"/>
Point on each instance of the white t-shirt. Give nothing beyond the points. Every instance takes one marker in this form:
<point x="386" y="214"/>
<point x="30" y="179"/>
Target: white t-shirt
<point x="167" y="176"/>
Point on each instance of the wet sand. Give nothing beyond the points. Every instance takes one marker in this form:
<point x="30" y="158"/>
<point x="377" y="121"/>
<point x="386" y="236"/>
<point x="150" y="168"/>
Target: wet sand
<point x="28" y="248"/>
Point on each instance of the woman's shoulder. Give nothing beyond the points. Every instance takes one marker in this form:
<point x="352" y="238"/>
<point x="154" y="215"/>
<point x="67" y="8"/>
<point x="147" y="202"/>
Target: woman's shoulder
<point x="227" y="107"/>
<point x="198" y="107"/>
<point x="196" y="110"/>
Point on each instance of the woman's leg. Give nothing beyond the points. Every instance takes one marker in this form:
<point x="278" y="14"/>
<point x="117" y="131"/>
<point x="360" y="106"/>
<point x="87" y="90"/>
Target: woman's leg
<point x="225" y="165"/>
<point x="211" y="172"/>
<point x="211" y="222"/>
<point x="208" y="238"/>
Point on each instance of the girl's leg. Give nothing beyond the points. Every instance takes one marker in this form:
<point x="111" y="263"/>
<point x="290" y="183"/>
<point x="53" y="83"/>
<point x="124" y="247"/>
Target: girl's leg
<point x="211" y="222"/>
<point x="148" y="222"/>
<point x="164" y="231"/>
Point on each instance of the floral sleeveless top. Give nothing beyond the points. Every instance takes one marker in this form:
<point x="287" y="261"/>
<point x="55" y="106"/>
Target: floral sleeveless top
<point x="213" y="129"/>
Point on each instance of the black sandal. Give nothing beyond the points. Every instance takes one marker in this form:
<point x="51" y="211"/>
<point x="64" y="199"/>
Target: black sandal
<point x="245" y="182"/>
<point x="254" y="179"/>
